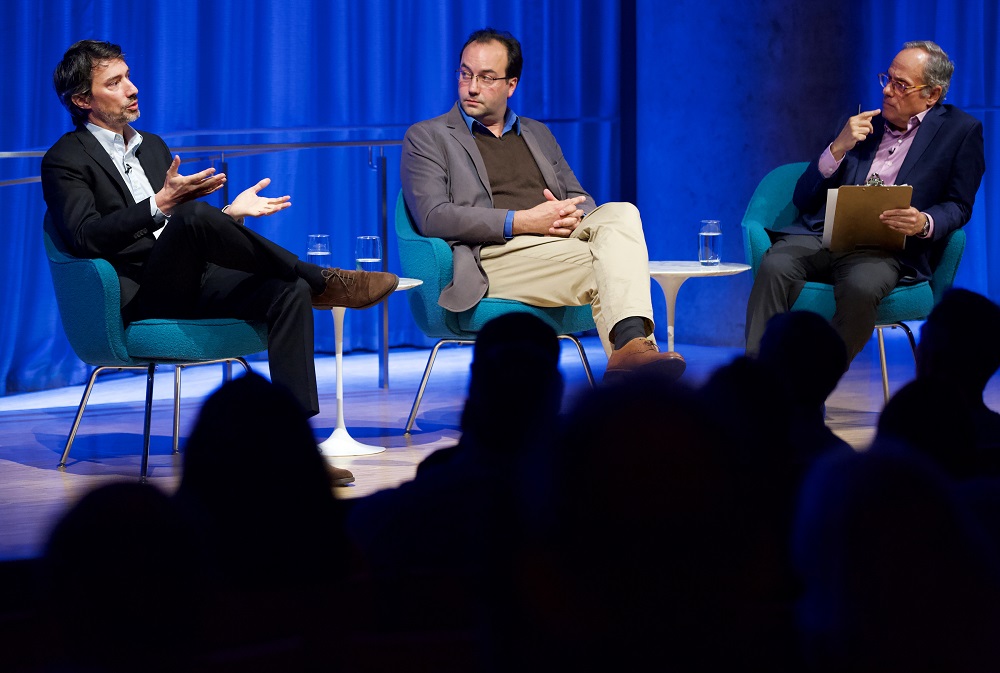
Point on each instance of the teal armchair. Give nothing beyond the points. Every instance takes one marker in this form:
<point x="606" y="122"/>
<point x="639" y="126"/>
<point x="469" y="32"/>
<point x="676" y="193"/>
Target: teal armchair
<point x="88" y="296"/>
<point x="771" y="208"/>
<point x="430" y="260"/>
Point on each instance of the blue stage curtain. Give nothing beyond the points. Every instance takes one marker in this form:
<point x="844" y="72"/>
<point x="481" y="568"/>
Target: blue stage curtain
<point x="357" y="70"/>
<point x="723" y="93"/>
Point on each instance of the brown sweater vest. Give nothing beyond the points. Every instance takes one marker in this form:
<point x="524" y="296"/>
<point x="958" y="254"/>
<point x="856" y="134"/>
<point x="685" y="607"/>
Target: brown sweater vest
<point x="516" y="182"/>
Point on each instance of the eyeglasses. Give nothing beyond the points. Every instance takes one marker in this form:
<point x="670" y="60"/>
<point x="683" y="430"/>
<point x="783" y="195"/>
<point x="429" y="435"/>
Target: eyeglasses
<point x="899" y="87"/>
<point x="465" y="77"/>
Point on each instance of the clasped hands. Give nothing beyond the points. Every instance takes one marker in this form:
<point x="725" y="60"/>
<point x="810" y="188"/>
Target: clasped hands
<point x="178" y="189"/>
<point x="552" y="217"/>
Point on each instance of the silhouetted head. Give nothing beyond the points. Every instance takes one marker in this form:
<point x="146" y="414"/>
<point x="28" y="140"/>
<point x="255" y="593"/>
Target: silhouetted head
<point x="804" y="350"/>
<point x="897" y="575"/>
<point x="515" y="382"/>
<point x="122" y="582"/>
<point x="958" y="341"/>
<point x="948" y="440"/>
<point x="257" y="484"/>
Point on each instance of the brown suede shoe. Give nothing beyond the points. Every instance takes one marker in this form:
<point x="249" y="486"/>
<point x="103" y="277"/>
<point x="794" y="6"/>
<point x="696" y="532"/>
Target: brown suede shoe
<point x="354" y="289"/>
<point x="339" y="476"/>
<point x="643" y="353"/>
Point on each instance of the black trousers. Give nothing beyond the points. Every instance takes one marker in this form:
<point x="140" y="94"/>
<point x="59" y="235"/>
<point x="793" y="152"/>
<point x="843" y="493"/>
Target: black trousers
<point x="205" y="265"/>
<point x="860" y="279"/>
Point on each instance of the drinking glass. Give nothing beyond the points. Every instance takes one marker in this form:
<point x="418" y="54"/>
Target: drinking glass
<point x="710" y="243"/>
<point x="318" y="250"/>
<point x="368" y="253"/>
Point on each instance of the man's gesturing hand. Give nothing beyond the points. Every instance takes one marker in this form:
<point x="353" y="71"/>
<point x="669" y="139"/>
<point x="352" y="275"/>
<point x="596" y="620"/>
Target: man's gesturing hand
<point x="250" y="204"/>
<point x="178" y="189"/>
<point x="855" y="130"/>
<point x="551" y="217"/>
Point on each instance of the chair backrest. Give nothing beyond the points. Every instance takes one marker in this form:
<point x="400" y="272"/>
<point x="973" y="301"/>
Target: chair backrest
<point x="89" y="298"/>
<point x="945" y="264"/>
<point x="771" y="208"/>
<point x="430" y="260"/>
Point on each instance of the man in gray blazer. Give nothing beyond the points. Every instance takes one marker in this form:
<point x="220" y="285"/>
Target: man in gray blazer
<point x="497" y="187"/>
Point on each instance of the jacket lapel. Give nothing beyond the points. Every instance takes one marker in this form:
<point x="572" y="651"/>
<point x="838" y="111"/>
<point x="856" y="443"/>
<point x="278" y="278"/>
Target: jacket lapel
<point x="459" y="131"/>
<point x="542" y="161"/>
<point x="100" y="156"/>
<point x="928" y="128"/>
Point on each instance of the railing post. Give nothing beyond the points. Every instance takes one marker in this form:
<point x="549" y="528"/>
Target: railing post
<point x="378" y="164"/>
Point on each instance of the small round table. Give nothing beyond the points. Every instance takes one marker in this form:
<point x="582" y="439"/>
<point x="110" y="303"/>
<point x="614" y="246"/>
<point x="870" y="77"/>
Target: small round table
<point x="340" y="443"/>
<point x="671" y="275"/>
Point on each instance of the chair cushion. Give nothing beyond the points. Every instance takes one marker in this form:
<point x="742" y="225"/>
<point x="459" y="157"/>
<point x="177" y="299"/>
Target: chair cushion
<point x="906" y="302"/>
<point x="192" y="340"/>
<point x="563" y="319"/>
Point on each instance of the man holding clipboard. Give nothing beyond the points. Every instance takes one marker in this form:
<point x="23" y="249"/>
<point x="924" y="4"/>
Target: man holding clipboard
<point x="914" y="140"/>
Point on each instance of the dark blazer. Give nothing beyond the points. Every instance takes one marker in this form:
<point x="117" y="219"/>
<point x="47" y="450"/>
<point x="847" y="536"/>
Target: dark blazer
<point x="448" y="193"/>
<point x="945" y="165"/>
<point x="92" y="207"/>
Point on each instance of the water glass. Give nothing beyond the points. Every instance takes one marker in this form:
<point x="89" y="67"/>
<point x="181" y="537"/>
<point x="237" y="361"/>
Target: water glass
<point x="710" y="243"/>
<point x="368" y="253"/>
<point x="318" y="250"/>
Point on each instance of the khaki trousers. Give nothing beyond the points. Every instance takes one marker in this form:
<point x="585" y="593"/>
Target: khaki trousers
<point x="604" y="263"/>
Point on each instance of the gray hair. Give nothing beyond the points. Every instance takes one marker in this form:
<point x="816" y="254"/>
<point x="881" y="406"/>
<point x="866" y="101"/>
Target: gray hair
<point x="938" y="69"/>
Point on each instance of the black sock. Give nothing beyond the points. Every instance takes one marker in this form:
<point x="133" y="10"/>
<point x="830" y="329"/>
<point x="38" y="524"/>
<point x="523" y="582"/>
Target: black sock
<point x="312" y="274"/>
<point x="628" y="329"/>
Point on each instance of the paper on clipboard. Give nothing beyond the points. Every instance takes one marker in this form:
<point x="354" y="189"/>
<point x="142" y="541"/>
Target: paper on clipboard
<point x="852" y="217"/>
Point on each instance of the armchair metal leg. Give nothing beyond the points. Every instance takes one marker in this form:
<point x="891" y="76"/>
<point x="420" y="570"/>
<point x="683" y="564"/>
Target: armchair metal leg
<point x="227" y="375"/>
<point x="881" y="353"/>
<point x="146" y="424"/>
<point x="583" y="356"/>
<point x="177" y="405"/>
<point x="427" y="374"/>
<point x="83" y="405"/>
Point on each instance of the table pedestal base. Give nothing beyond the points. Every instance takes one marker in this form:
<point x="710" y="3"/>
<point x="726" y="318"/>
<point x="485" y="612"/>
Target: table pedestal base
<point x="340" y="443"/>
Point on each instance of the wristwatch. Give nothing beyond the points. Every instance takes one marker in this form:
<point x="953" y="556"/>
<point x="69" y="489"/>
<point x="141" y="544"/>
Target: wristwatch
<point x="927" y="227"/>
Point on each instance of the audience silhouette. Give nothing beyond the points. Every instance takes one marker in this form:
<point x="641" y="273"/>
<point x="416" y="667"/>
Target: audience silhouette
<point x="434" y="540"/>
<point x="649" y="525"/>
<point x="897" y="574"/>
<point x="121" y="591"/>
<point x="257" y="492"/>
<point x="959" y="349"/>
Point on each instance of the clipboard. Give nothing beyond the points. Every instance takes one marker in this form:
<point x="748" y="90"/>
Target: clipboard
<point x="852" y="217"/>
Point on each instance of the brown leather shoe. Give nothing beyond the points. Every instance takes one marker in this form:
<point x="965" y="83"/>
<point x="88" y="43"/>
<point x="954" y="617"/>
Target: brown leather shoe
<point x="641" y="353"/>
<point x="354" y="289"/>
<point x="339" y="476"/>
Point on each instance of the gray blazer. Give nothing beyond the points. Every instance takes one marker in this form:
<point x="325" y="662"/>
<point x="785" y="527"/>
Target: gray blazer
<point x="448" y="193"/>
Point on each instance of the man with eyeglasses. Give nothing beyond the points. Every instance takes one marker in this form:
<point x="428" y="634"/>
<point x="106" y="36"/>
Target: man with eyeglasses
<point x="497" y="187"/>
<point x="913" y="139"/>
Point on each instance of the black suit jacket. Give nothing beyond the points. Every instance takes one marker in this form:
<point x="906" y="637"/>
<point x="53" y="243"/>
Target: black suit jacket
<point x="945" y="165"/>
<point x="92" y="207"/>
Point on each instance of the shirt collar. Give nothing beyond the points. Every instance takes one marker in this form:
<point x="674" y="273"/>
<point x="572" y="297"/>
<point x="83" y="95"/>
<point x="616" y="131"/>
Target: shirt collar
<point x="913" y="123"/>
<point x="510" y="121"/>
<point x="113" y="142"/>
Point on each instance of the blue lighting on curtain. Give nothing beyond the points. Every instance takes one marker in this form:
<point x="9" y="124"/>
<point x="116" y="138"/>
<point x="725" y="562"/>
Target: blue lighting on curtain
<point x="723" y="92"/>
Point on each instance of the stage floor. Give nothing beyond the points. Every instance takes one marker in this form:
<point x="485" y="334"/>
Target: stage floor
<point x="33" y="427"/>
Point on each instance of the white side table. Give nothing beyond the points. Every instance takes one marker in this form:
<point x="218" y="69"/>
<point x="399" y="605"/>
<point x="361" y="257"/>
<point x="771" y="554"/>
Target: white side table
<point x="340" y="443"/>
<point x="671" y="275"/>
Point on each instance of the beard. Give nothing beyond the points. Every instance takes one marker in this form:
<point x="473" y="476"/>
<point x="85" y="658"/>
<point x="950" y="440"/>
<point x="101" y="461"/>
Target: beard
<point x="114" y="118"/>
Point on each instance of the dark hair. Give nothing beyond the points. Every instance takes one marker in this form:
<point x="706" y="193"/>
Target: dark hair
<point x="514" y="59"/>
<point x="75" y="72"/>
